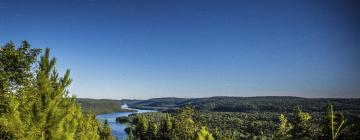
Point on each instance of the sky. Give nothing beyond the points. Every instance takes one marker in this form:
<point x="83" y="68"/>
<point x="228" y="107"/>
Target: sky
<point x="142" y="49"/>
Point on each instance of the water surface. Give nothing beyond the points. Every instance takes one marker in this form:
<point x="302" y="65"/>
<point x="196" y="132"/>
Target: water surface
<point x="118" y="129"/>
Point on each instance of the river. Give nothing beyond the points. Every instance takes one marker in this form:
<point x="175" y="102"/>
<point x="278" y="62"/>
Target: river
<point x="118" y="129"/>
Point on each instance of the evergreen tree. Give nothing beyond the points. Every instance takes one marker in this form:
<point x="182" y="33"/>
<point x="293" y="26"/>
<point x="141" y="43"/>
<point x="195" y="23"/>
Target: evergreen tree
<point x="142" y="128"/>
<point x="204" y="134"/>
<point x="106" y="131"/>
<point x="333" y="125"/>
<point x="50" y="109"/>
<point x="88" y="128"/>
<point x="166" y="128"/>
<point x="283" y="130"/>
<point x="131" y="134"/>
<point x="34" y="102"/>
<point x="10" y="123"/>
<point x="217" y="134"/>
<point x="302" y="125"/>
<point x="72" y="119"/>
<point x="153" y="131"/>
<point x="184" y="126"/>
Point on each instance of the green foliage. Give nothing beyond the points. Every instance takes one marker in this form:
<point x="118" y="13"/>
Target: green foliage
<point x="142" y="127"/>
<point x="15" y="78"/>
<point x="244" y="125"/>
<point x="131" y="134"/>
<point x="183" y="124"/>
<point x="256" y="117"/>
<point x="10" y="123"/>
<point x="88" y="128"/>
<point x="34" y="100"/>
<point x="105" y="132"/>
<point x="51" y="112"/>
<point x="161" y="126"/>
<point x="16" y="64"/>
<point x="250" y="104"/>
<point x="100" y="106"/>
<point x="334" y="124"/>
<point x="166" y="128"/>
<point x="302" y="125"/>
<point x="332" y="127"/>
<point x="153" y="131"/>
<point x="204" y="134"/>
<point x="236" y="125"/>
<point x="283" y="130"/>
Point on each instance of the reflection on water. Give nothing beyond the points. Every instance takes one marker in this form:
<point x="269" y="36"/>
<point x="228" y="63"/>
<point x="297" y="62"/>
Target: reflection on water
<point x="118" y="129"/>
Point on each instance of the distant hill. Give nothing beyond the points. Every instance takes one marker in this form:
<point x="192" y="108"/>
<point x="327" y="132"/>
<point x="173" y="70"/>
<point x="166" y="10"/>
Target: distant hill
<point x="100" y="106"/>
<point x="248" y="104"/>
<point x="224" y="104"/>
<point x="159" y="103"/>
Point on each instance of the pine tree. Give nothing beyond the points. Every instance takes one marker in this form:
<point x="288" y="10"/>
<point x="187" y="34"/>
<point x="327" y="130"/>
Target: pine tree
<point x="283" y="130"/>
<point x="72" y="119"/>
<point x="142" y="128"/>
<point x="35" y="103"/>
<point x="10" y="123"/>
<point x="333" y="125"/>
<point x="204" y="134"/>
<point x="88" y="128"/>
<point x="166" y="128"/>
<point x="106" y="131"/>
<point x="184" y="126"/>
<point x="217" y="134"/>
<point x="153" y="131"/>
<point x="302" y="126"/>
<point x="48" y="111"/>
<point x="131" y="134"/>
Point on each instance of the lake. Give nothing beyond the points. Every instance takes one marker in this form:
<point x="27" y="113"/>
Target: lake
<point x="118" y="129"/>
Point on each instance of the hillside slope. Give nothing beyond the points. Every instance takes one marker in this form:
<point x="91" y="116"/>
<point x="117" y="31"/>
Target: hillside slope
<point x="100" y="106"/>
<point x="248" y="104"/>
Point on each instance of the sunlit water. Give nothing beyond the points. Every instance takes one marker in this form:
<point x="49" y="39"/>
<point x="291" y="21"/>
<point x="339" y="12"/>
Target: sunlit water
<point x="118" y="129"/>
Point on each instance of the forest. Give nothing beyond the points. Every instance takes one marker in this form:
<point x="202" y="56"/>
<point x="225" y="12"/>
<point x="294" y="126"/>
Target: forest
<point x="231" y="118"/>
<point x="250" y="104"/>
<point x="101" y="106"/>
<point x="36" y="104"/>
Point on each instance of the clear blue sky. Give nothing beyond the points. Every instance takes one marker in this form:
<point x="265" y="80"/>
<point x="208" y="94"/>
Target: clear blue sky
<point x="195" y="48"/>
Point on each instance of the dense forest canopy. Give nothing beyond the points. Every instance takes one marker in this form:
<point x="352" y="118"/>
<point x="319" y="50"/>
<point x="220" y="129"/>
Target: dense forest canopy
<point x="260" y="117"/>
<point x="326" y="125"/>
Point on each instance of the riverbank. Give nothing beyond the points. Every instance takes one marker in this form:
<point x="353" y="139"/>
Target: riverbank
<point x="118" y="129"/>
<point x="101" y="106"/>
